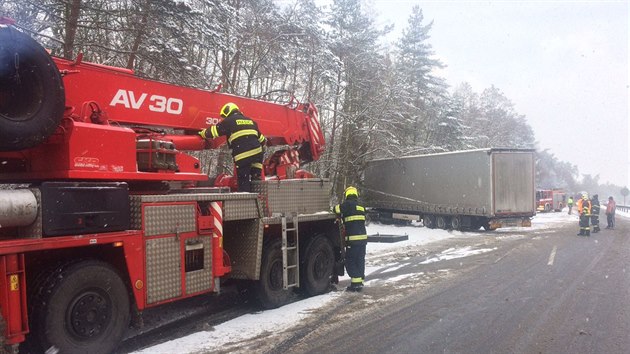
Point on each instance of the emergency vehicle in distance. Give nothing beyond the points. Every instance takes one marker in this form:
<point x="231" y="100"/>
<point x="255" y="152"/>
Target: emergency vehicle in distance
<point x="550" y="200"/>
<point x="103" y="213"/>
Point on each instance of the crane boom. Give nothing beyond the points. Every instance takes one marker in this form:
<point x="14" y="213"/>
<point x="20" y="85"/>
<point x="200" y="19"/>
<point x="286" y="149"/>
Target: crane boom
<point x="111" y="117"/>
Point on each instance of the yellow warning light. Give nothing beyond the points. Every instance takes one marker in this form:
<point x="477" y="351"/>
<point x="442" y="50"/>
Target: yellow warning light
<point x="118" y="244"/>
<point x="139" y="284"/>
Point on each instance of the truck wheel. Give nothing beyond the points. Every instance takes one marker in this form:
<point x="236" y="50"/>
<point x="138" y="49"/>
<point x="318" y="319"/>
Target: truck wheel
<point x="269" y="289"/>
<point x="456" y="223"/>
<point x="429" y="221"/>
<point x="547" y="208"/>
<point x="441" y="222"/>
<point x="32" y="99"/>
<point x="82" y="307"/>
<point x="317" y="268"/>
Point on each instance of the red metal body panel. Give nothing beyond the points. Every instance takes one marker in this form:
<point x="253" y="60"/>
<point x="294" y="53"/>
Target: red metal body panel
<point x="13" y="297"/>
<point x="92" y="151"/>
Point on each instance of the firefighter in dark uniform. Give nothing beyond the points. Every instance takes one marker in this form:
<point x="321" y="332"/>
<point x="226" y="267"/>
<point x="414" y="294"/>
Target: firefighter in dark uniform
<point x="595" y="213"/>
<point x="246" y="142"/>
<point x="584" y="210"/>
<point x="352" y="216"/>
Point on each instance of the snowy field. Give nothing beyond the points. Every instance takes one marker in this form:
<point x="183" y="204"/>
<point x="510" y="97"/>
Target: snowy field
<point x="260" y="324"/>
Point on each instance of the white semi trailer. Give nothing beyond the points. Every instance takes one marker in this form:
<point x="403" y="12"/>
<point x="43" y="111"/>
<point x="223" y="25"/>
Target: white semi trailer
<point x="461" y="190"/>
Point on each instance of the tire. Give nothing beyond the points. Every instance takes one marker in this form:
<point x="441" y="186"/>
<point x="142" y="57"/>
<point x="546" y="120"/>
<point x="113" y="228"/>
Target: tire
<point x="547" y="208"/>
<point x="456" y="223"/>
<point x="317" y="268"/>
<point x="441" y="222"/>
<point x="269" y="289"/>
<point x="82" y="307"/>
<point x="32" y="98"/>
<point x="429" y="221"/>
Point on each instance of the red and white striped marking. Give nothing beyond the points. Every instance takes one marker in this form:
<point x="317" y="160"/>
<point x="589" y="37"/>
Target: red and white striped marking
<point x="216" y="210"/>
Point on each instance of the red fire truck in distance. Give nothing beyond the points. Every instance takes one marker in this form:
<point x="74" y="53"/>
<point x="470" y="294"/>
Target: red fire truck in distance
<point x="550" y="200"/>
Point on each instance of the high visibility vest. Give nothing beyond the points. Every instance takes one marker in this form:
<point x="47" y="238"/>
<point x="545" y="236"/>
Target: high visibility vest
<point x="353" y="217"/>
<point x="242" y="133"/>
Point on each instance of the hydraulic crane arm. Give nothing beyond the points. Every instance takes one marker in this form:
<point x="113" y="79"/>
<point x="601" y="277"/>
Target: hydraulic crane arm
<point x="128" y="99"/>
<point x="78" y="120"/>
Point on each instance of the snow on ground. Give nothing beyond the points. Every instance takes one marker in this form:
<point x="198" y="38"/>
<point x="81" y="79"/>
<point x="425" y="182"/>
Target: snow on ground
<point x="251" y="326"/>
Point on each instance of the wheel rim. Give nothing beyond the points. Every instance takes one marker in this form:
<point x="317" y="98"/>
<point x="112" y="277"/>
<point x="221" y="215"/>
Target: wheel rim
<point x="455" y="223"/>
<point x="89" y="314"/>
<point x="440" y="222"/>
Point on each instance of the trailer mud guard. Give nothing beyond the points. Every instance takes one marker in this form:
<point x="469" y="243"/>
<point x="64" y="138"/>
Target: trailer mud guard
<point x="13" y="297"/>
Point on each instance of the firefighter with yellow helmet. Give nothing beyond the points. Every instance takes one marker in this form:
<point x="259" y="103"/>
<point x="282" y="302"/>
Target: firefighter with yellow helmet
<point x="584" y="211"/>
<point x="244" y="139"/>
<point x="352" y="216"/>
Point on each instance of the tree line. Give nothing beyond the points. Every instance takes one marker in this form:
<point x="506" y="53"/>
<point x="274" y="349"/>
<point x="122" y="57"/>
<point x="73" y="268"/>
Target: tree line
<point x="374" y="100"/>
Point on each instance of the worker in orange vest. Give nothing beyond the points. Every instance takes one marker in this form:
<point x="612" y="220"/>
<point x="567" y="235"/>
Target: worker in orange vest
<point x="584" y="210"/>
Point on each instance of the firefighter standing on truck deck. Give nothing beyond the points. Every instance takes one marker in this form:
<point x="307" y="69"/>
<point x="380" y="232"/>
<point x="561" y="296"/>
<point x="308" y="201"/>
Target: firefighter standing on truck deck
<point x="246" y="143"/>
<point x="352" y="216"/>
<point x="584" y="210"/>
<point x="595" y="213"/>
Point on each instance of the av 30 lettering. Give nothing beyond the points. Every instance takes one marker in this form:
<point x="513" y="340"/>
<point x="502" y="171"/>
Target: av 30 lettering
<point x="157" y="103"/>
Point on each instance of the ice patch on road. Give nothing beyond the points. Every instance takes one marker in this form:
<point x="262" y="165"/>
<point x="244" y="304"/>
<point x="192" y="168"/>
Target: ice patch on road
<point x="453" y="253"/>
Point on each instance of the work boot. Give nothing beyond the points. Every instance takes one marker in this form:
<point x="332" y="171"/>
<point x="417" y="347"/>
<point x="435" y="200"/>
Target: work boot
<point x="354" y="287"/>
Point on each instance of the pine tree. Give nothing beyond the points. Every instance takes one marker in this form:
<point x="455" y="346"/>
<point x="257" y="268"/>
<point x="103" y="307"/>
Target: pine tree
<point x="423" y="93"/>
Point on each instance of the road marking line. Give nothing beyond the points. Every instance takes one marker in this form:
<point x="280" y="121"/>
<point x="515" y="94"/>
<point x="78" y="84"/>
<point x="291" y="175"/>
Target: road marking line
<point x="552" y="256"/>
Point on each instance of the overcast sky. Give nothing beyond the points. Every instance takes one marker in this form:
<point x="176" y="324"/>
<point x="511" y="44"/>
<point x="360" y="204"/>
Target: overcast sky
<point x="564" y="64"/>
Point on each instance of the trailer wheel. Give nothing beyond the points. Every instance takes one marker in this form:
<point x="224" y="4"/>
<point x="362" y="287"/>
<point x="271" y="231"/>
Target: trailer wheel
<point x="82" y="307"/>
<point x="269" y="289"/>
<point x="441" y="222"/>
<point x="429" y="221"/>
<point x="318" y="265"/>
<point x="456" y="223"/>
<point x="32" y="99"/>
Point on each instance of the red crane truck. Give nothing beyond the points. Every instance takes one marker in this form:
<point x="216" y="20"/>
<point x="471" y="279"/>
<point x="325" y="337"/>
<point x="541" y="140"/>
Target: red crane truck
<point x="102" y="213"/>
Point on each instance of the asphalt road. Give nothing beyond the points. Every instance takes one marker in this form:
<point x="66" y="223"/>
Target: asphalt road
<point x="544" y="292"/>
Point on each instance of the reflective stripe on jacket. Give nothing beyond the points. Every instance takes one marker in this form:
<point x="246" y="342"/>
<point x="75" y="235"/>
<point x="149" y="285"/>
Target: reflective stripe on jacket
<point x="353" y="217"/>
<point x="242" y="133"/>
<point x="584" y="208"/>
